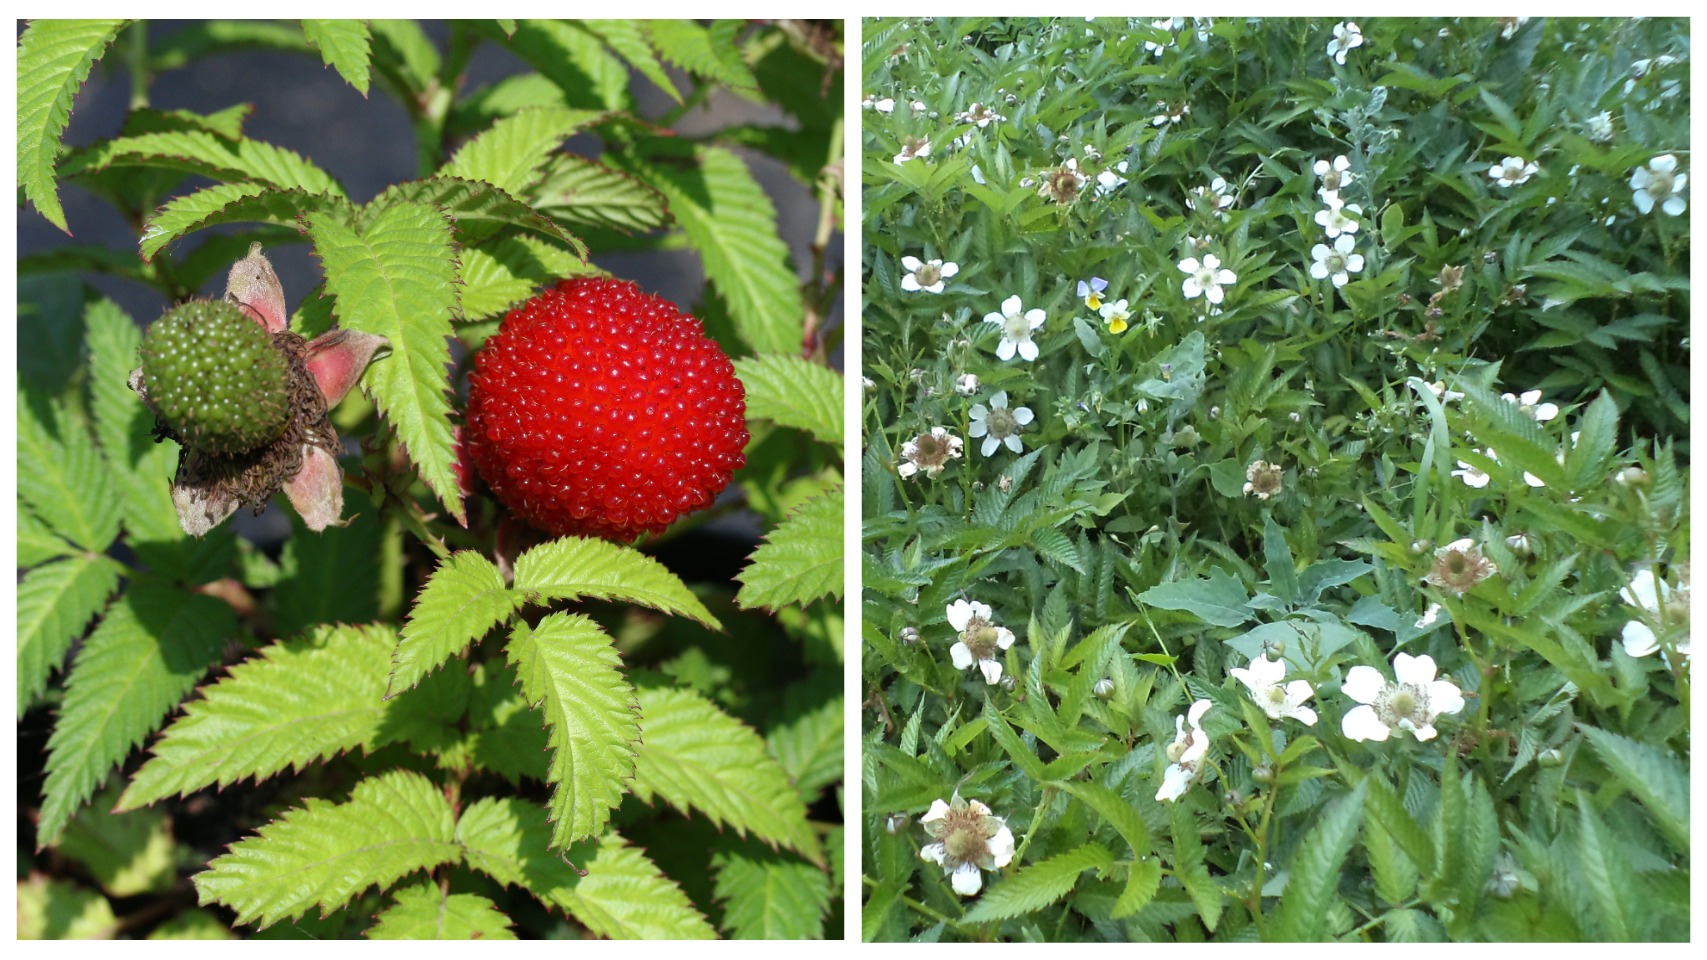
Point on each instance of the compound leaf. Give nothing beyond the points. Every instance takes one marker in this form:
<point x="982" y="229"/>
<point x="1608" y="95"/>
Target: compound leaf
<point x="800" y="561"/>
<point x="1314" y="883"/>
<point x="770" y="896"/>
<point x="569" y="669"/>
<point x="247" y="202"/>
<point x="1653" y="776"/>
<point x="794" y="392"/>
<point x="512" y="153"/>
<point x="55" y="604"/>
<point x="463" y="599"/>
<point x="210" y="155"/>
<point x="324" y="854"/>
<point x="344" y="45"/>
<point x="583" y="192"/>
<point x="67" y="484"/>
<point x="573" y="567"/>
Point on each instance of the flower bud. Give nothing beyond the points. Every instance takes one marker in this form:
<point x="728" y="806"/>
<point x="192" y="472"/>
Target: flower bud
<point x="909" y="635"/>
<point x="1103" y="689"/>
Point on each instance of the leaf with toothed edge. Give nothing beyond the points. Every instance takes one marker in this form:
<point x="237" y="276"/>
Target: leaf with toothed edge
<point x="622" y="894"/>
<point x="792" y="392"/>
<point x="512" y="153"/>
<point x="421" y="911"/>
<point x="206" y="154"/>
<point x="572" y="567"/>
<point x="324" y="854"/>
<point x="55" y="604"/>
<point x="344" y="45"/>
<point x="236" y="203"/>
<point x="395" y="277"/>
<point x="54" y="58"/>
<point x="476" y="202"/>
<point x="463" y="599"/>
<point x="569" y="670"/>
<point x="585" y="192"/>
<point x="800" y="560"/>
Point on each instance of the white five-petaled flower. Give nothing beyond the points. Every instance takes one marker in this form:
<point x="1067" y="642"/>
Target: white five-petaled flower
<point x="1346" y="36"/>
<point x="1277" y="699"/>
<point x="912" y="149"/>
<point x="1659" y="182"/>
<point x="1599" y="128"/>
<point x="926" y="275"/>
<point x="981" y="641"/>
<point x="1186" y="752"/>
<point x="1530" y="403"/>
<point x="1110" y="180"/>
<point x="1169" y="24"/>
<point x="1091" y="290"/>
<point x="997" y="424"/>
<point x="1016" y="324"/>
<point x="1438" y="388"/>
<point x="1215" y="198"/>
<point x="1335" y="219"/>
<point x="1206" y="279"/>
<point x="1458" y="566"/>
<point x="1263" y="480"/>
<point x="967" y="839"/>
<point x="1116" y="316"/>
<point x="1412" y="702"/>
<point x="929" y="452"/>
<point x="1171" y="113"/>
<point x="1512" y="171"/>
<point x="1337" y="261"/>
<point x="979" y="114"/>
<point x="1334" y="176"/>
<point x="1662" y="604"/>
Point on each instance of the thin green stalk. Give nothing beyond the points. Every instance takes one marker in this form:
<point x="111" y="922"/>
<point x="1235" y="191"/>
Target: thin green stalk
<point x="136" y="61"/>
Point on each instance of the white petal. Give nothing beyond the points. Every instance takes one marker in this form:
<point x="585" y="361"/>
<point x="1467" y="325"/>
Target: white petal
<point x="1444" y="698"/>
<point x="934" y="288"/>
<point x="1299" y="691"/>
<point x="1023" y="415"/>
<point x="1644" y="201"/>
<point x="1360" y="723"/>
<point x="990" y="445"/>
<point x="1188" y="265"/>
<point x="977" y="807"/>
<point x="1027" y="351"/>
<point x="912" y="263"/>
<point x="1354" y="263"/>
<point x="910" y="283"/>
<point x="1415" y="670"/>
<point x="1674" y="205"/>
<point x="1005" y="349"/>
<point x="1000" y="399"/>
<point x="1423" y="733"/>
<point x="1174" y="781"/>
<point x="938" y="810"/>
<point x="1363" y="684"/>
<point x="1645" y="590"/>
<point x="1013" y="442"/>
<point x="1664" y="163"/>
<point x="933" y="852"/>
<point x="1214" y="295"/>
<point x="950" y="269"/>
<point x="992" y="671"/>
<point x="1011" y="306"/>
<point x="1340" y="279"/>
<point x="1002" y="847"/>
<point x="967" y="880"/>
<point x="1304" y="715"/>
<point x="959" y="614"/>
<point x="961" y="654"/>
<point x="1198" y="708"/>
<point x="1191" y="288"/>
<point x="1226" y="277"/>
<point x="1035" y="316"/>
<point x="1639" y="640"/>
<point x="1319" y="269"/>
<point x="1211" y="261"/>
<point x="1004" y="637"/>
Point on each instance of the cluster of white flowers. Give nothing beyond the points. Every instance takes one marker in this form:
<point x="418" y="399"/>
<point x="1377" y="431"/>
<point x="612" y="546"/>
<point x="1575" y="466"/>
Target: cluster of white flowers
<point x="1171" y="113"/>
<point x="1337" y="260"/>
<point x="1170" y="24"/>
<point x="1335" y="174"/>
<point x="1660" y="604"/>
<point x="1110" y="179"/>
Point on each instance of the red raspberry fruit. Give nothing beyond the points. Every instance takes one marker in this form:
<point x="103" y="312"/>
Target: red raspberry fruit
<point x="597" y="409"/>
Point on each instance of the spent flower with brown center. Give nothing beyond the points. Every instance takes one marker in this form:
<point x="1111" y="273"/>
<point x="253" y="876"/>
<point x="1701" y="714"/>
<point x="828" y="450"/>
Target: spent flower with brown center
<point x="1263" y="480"/>
<point x="1458" y="566"/>
<point x="967" y="840"/>
<point x="929" y="452"/>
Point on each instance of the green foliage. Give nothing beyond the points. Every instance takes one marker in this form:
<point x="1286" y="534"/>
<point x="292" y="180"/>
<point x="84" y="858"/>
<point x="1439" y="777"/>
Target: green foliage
<point x="1452" y="441"/>
<point x="425" y="720"/>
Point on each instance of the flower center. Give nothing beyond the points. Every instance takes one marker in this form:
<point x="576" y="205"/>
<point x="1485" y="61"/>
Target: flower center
<point x="1206" y="278"/>
<point x="963" y="838"/>
<point x="928" y="447"/>
<point x="928" y="274"/>
<point x="1331" y="180"/>
<point x="980" y="637"/>
<point x="1001" y="423"/>
<point x="1276" y="695"/>
<point x="1016" y="328"/>
<point x="1457" y="564"/>
<point x="1336" y="262"/>
<point x="1660" y="183"/>
<point x="1403" y="702"/>
<point x="1064" y="185"/>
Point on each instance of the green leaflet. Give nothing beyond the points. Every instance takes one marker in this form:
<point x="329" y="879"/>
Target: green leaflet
<point x="1219" y="599"/>
<point x="1115" y="811"/>
<point x="573" y="58"/>
<point x="569" y="670"/>
<point x="709" y="52"/>
<point x="54" y="58"/>
<point x="236" y="203"/>
<point x="573" y="567"/>
<point x="421" y="911"/>
<point x="731" y="223"/>
<point x="55" y="604"/>
<point x="1651" y="775"/>
<point x="344" y="45"/>
<point x="800" y="560"/>
<point x="622" y="896"/>
<point x="209" y="155"/>
<point x="128" y="853"/>
<point x="473" y="203"/>
<point x="1605" y="879"/>
<point x="395" y="277"/>
<point x="463" y="600"/>
<point x="503" y="271"/>
<point x="511" y="155"/>
<point x="627" y="38"/>
<point x="1038" y="885"/>
<point x="148" y="652"/>
<point x="770" y="896"/>
<point x="794" y="392"/>
<point x="297" y="702"/>
<point x="806" y="738"/>
<point x="586" y="193"/>
<point x="696" y="757"/>
<point x="1314" y="883"/>
<point x="67" y="484"/>
<point x="322" y="854"/>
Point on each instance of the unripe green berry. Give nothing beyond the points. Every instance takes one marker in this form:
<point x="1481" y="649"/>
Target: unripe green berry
<point x="216" y="378"/>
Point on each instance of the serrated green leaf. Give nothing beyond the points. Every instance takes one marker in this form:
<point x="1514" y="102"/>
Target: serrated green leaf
<point x="1191" y="868"/>
<point x="463" y="600"/>
<point x="1142" y="882"/>
<point x="55" y="910"/>
<point x="568" y="669"/>
<point x="344" y="45"/>
<point x="503" y="271"/>
<point x="511" y="155"/>
<point x="573" y="567"/>
<point x="323" y="854"/>
<point x="1038" y="885"/>
<point x="65" y="482"/>
<point x="236" y="203"/>
<point x="192" y="924"/>
<point x="622" y="895"/>
<point x="1653" y="776"/>
<point x="807" y="737"/>
<point x="403" y="50"/>
<point x="1115" y="811"/>
<point x="55" y="604"/>
<point x="583" y="192"/>
<point x="573" y="59"/>
<point x="421" y="911"/>
<point x="800" y="561"/>
<point x="1220" y="599"/>
<point x="476" y="202"/>
<point x="1315" y="872"/>
<point x="1605" y="878"/>
<point x="396" y="278"/>
<point x="732" y="224"/>
<point x="507" y="736"/>
<point x="696" y="757"/>
<point x="628" y="39"/>
<point x="54" y="58"/>
<point x="36" y="543"/>
<point x="704" y="52"/>
<point x="793" y="392"/>
<point x="128" y="853"/>
<point x="209" y="155"/>
<point x="294" y="703"/>
<point x="113" y="341"/>
<point x="148" y="652"/>
<point x="770" y="896"/>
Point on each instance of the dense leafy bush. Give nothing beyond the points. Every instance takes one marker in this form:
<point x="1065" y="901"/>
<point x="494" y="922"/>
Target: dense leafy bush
<point x="1275" y="480"/>
<point x="646" y="744"/>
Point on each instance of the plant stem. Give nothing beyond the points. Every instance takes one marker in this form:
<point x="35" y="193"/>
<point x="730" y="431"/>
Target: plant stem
<point x="1031" y="830"/>
<point x="137" y="62"/>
